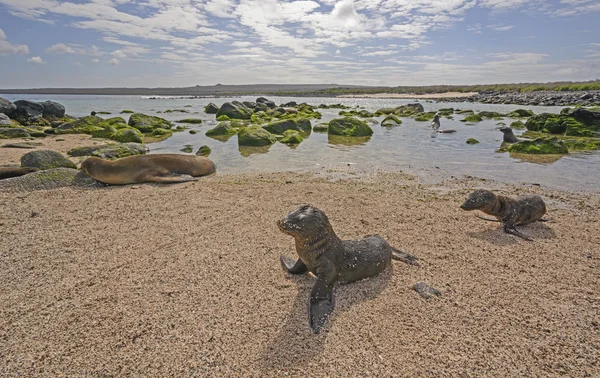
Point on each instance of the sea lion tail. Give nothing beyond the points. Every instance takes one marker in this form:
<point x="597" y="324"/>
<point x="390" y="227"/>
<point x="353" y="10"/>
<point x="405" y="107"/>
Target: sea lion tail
<point x="404" y="257"/>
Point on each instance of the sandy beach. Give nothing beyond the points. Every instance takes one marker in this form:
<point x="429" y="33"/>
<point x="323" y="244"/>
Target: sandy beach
<point x="432" y="96"/>
<point x="184" y="280"/>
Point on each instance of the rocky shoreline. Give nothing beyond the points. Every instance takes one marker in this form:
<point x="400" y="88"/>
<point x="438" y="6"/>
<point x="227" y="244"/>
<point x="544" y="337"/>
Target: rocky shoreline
<point x="537" y="98"/>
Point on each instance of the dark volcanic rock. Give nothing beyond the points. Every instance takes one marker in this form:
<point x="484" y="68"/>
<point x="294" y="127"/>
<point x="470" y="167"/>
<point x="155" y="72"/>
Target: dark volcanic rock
<point x="4" y="120"/>
<point x="52" y="109"/>
<point x="49" y="179"/>
<point x="27" y="111"/>
<point x="46" y="159"/>
<point x="268" y="103"/>
<point x="7" y="107"/>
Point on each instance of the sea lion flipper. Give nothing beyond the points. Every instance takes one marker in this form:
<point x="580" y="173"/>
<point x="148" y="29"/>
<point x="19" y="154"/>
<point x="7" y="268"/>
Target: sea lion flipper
<point x="320" y="304"/>
<point x="513" y="231"/>
<point x="291" y="266"/>
<point x="172" y="178"/>
<point x="487" y="219"/>
<point x="404" y="257"/>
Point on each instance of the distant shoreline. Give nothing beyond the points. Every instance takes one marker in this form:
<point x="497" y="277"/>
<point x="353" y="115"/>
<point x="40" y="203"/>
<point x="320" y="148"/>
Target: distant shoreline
<point x="409" y="95"/>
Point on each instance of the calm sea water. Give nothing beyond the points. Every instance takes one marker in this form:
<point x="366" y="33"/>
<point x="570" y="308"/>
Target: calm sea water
<point x="410" y="147"/>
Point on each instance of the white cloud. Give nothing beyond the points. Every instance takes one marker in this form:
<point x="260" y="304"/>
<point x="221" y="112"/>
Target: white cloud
<point x="61" y="48"/>
<point x="6" y="48"/>
<point x="380" y="53"/>
<point x="95" y="60"/>
<point x="500" y="27"/>
<point x="36" y="60"/>
<point x="114" y="62"/>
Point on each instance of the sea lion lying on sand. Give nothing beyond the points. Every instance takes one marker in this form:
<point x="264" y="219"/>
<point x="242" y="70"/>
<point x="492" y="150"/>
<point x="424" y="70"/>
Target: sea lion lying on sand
<point x="524" y="210"/>
<point x="331" y="259"/>
<point x="8" y="172"/>
<point x="165" y="168"/>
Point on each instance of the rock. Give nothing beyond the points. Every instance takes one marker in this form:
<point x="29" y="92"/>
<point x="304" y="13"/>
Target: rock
<point x="391" y="120"/>
<point x="578" y="122"/>
<point x="223" y="128"/>
<point x="539" y="146"/>
<point x="279" y="127"/>
<point x="249" y="104"/>
<point x="472" y="118"/>
<point x="291" y="137"/>
<point x="520" y="113"/>
<point x="52" y="109"/>
<point x="424" y="117"/>
<point x="255" y="136"/>
<point x="46" y="159"/>
<point x="234" y="110"/>
<point x="27" y="112"/>
<point x="127" y="111"/>
<point x="4" y="120"/>
<point x="211" y="109"/>
<point x="147" y="124"/>
<point x="160" y="132"/>
<point x="349" y="126"/>
<point x="384" y="111"/>
<point x="290" y="104"/>
<point x="85" y="125"/>
<point x="268" y="103"/>
<point x="129" y="134"/>
<point x="203" y="151"/>
<point x="426" y="291"/>
<point x="25" y="145"/>
<point x="195" y="121"/>
<point x="260" y="107"/>
<point x="517" y="125"/>
<point x="321" y="128"/>
<point x="7" y="107"/>
<point x="409" y="109"/>
<point x="8" y="133"/>
<point x="188" y="149"/>
<point x="110" y="150"/>
<point x="486" y="114"/>
<point x="49" y="179"/>
<point x="472" y="141"/>
<point x="365" y="114"/>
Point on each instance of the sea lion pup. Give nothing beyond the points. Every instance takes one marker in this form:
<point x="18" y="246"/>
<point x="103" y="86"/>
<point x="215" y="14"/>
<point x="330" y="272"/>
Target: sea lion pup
<point x="165" y="168"/>
<point x="511" y="212"/>
<point x="509" y="137"/>
<point x="331" y="259"/>
<point x="8" y="172"/>
<point x="435" y="124"/>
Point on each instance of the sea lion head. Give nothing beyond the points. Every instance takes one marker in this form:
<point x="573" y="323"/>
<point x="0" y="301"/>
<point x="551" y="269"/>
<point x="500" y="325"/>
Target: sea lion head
<point x="87" y="166"/>
<point x="506" y="130"/>
<point x="479" y="199"/>
<point x="306" y="223"/>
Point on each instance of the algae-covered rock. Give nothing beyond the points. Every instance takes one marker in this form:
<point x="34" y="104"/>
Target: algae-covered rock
<point x="383" y="111"/>
<point x="211" y="109"/>
<point x="278" y="127"/>
<point x="517" y="125"/>
<point x="46" y="159"/>
<point x="464" y="111"/>
<point x="203" y="151"/>
<point x="349" y="126"/>
<point x="223" y="128"/>
<point x="472" y="118"/>
<point x="9" y="132"/>
<point x="486" y="114"/>
<point x="160" y="132"/>
<point x="291" y="137"/>
<point x="364" y="114"/>
<point x="578" y="122"/>
<point x="391" y="120"/>
<point x="188" y="149"/>
<point x="321" y="128"/>
<point x="191" y="120"/>
<point x="235" y="110"/>
<point x="127" y="111"/>
<point x="255" y="136"/>
<point x="27" y="112"/>
<point x="424" y="117"/>
<point x="472" y="141"/>
<point x="147" y="123"/>
<point x="539" y="146"/>
<point x="409" y="109"/>
<point x="109" y="151"/>
<point x="266" y="102"/>
<point x="129" y="134"/>
<point x="50" y="179"/>
<point x="520" y="113"/>
<point x="85" y="125"/>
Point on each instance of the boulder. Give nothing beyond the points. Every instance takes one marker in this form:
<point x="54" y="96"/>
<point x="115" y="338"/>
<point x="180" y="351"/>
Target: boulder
<point x="472" y="141"/>
<point x="290" y="104"/>
<point x="46" y="159"/>
<point x="85" y="125"/>
<point x="52" y="109"/>
<point x="128" y="134"/>
<point x="517" y="125"/>
<point x="8" y="132"/>
<point x="291" y="137"/>
<point x="7" y="107"/>
<point x="539" y="146"/>
<point x="409" y="109"/>
<point x="472" y="118"/>
<point x="188" y="149"/>
<point x="349" y="126"/>
<point x="222" y="129"/>
<point x="365" y="114"/>
<point x="486" y="114"/>
<point x="109" y="151"/>
<point x="49" y="179"/>
<point x="161" y="133"/>
<point x="235" y="110"/>
<point x="321" y="128"/>
<point x="391" y="120"/>
<point x="147" y="124"/>
<point x="203" y="151"/>
<point x="260" y="107"/>
<point x="211" y="109"/>
<point x="520" y="113"/>
<point x="249" y="104"/>
<point x="385" y="111"/>
<point x="27" y="112"/>
<point x="268" y="103"/>
<point x="4" y="120"/>
<point x="255" y="136"/>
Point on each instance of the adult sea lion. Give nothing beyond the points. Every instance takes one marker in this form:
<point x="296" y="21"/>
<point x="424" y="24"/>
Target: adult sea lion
<point x="331" y="259"/>
<point x="509" y="136"/>
<point x="511" y="212"/>
<point x="8" y="172"/>
<point x="165" y="168"/>
<point x="435" y="124"/>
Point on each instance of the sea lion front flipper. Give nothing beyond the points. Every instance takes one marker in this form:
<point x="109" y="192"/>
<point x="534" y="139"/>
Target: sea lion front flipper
<point x="174" y="178"/>
<point x="291" y="266"/>
<point x="487" y="219"/>
<point x="404" y="257"/>
<point x="320" y="303"/>
<point x="513" y="231"/>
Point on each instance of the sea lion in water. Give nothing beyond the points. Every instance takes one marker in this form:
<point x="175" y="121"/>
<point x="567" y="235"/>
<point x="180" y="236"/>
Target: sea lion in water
<point x="511" y="212"/>
<point x="8" y="172"/>
<point x="509" y="137"/>
<point x="435" y="124"/>
<point x="164" y="168"/>
<point x="331" y="259"/>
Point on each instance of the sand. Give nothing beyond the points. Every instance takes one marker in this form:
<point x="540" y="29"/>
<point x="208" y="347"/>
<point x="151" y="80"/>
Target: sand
<point x="184" y="280"/>
<point x="409" y="95"/>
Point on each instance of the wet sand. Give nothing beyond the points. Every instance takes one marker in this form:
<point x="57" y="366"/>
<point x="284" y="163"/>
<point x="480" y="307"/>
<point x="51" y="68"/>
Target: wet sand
<point x="184" y="280"/>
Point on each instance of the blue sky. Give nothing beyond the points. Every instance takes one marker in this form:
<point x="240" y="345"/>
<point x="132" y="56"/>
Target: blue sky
<point x="150" y="43"/>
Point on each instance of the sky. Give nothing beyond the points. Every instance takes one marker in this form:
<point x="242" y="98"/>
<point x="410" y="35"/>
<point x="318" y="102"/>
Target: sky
<point x="174" y="43"/>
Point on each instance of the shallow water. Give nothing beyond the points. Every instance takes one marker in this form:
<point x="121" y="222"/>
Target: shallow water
<point x="410" y="147"/>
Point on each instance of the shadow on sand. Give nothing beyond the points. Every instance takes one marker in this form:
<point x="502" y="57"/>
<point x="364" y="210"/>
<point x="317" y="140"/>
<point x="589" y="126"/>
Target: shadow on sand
<point x="295" y="346"/>
<point x="534" y="231"/>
